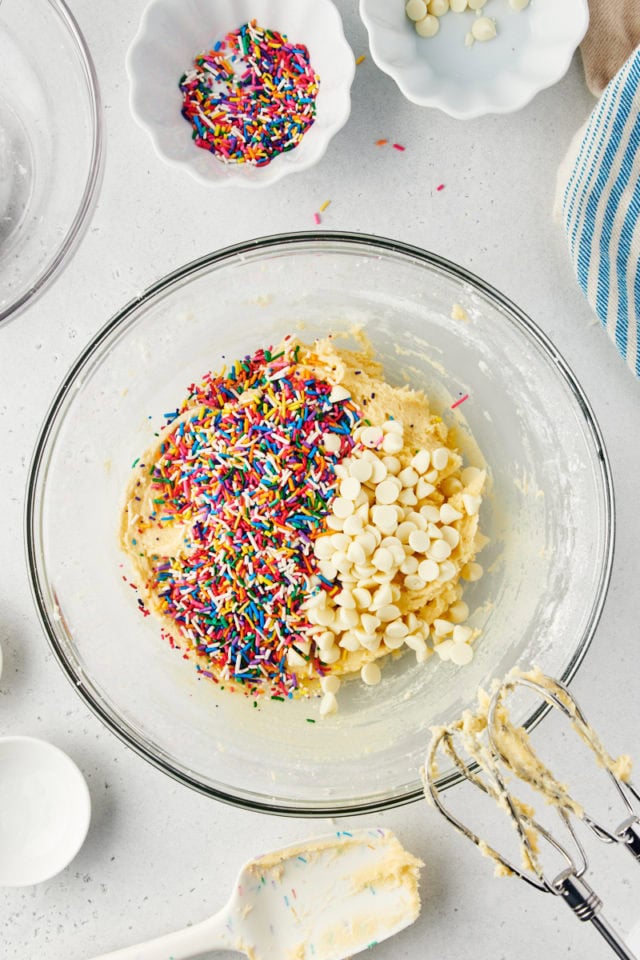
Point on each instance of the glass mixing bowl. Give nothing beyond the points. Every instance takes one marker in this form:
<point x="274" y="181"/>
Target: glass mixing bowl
<point x="549" y="514"/>
<point x="50" y="145"/>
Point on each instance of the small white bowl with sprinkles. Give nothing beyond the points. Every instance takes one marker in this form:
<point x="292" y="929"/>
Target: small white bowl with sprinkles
<point x="474" y="57"/>
<point x="240" y="92"/>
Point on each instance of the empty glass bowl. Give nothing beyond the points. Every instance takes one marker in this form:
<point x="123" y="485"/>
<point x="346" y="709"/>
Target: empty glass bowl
<point x="50" y="145"/>
<point x="549" y="513"/>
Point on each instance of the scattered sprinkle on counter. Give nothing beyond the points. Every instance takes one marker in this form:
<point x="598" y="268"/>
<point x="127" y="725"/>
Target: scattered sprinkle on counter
<point x="251" y="97"/>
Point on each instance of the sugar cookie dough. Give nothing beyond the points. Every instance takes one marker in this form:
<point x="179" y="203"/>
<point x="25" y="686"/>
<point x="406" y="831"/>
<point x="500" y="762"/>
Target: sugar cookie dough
<point x="299" y="519"/>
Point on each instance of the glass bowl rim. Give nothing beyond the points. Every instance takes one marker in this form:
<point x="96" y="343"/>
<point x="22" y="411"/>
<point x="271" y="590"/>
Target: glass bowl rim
<point x="88" y="200"/>
<point x="300" y="239"/>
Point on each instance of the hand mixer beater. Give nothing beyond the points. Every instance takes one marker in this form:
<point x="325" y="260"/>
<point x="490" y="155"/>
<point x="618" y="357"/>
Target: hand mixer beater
<point x="486" y="748"/>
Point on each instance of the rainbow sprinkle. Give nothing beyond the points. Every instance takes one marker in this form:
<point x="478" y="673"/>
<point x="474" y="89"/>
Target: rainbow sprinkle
<point x="252" y="97"/>
<point x="242" y="466"/>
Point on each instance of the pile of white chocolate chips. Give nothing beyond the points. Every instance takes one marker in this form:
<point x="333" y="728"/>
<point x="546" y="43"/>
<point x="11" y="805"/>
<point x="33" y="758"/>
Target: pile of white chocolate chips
<point x="399" y="539"/>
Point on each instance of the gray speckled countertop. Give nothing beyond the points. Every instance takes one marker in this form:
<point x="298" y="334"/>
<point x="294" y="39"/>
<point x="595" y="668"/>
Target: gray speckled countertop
<point x="159" y="856"/>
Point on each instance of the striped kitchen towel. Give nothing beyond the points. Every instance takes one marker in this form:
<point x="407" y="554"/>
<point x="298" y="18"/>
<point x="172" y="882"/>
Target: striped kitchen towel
<point x="598" y="201"/>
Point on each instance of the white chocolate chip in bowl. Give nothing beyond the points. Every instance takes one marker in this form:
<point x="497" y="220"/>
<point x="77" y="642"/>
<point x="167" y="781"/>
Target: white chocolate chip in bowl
<point x="471" y="58"/>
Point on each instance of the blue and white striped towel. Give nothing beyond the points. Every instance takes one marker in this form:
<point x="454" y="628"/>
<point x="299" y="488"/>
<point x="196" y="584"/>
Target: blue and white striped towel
<point x="599" y="203"/>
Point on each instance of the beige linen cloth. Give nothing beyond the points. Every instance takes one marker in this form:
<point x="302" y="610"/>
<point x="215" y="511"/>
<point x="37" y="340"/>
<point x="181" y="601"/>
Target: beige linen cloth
<point x="613" y="35"/>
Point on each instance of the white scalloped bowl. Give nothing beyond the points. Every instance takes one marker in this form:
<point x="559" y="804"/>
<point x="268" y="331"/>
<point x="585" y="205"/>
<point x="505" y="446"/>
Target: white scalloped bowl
<point x="532" y="51"/>
<point x="173" y="32"/>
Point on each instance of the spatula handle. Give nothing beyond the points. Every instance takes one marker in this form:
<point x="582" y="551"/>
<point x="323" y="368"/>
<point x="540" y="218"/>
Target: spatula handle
<point x="205" y="937"/>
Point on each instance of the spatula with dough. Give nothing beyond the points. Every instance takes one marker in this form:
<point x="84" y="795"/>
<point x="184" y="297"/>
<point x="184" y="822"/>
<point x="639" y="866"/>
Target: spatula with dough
<point x="324" y="899"/>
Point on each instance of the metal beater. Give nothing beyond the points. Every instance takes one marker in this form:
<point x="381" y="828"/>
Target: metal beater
<point x="485" y="747"/>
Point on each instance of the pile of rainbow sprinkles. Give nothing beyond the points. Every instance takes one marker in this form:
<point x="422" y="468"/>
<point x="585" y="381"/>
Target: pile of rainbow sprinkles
<point x="286" y="540"/>
<point x="251" y="97"/>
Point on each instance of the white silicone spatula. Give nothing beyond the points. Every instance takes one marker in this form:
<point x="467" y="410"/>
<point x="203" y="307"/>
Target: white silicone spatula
<point x="324" y="899"/>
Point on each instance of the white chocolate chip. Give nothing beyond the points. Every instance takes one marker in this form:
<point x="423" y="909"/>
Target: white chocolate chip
<point x="444" y="649"/>
<point x="393" y="426"/>
<point x="355" y="553"/>
<point x="294" y="659"/>
<point x="325" y="640"/>
<point x="361" y="469"/>
<point x="342" y="507"/>
<point x="346" y="618"/>
<point x="378" y="471"/>
<point x="461" y="654"/>
<point x="429" y="570"/>
<point x="385" y="518"/>
<point x="339" y="393"/>
<point x="325" y="617"/>
<point x="329" y="656"/>
<point x="404" y="530"/>
<point x="330" y="683"/>
<point x="442" y="627"/>
<point x="369" y="623"/>
<point x="393" y="442"/>
<point x="362" y="596"/>
<point x="447" y="513"/>
<point x="469" y="475"/>
<point x="353" y="525"/>
<point x="440" y="458"/>
<point x="414" y="582"/>
<point x="331" y="442"/>
<point x="451" y="535"/>
<point x="428" y="27"/>
<point x="410" y="565"/>
<point x="419" y="541"/>
<point x="408" y="498"/>
<point x="438" y="7"/>
<point x="416" y="9"/>
<point x="388" y="612"/>
<point x="349" y="641"/>
<point x="382" y="559"/>
<point x="448" y="571"/>
<point x="371" y="437"/>
<point x="457" y="6"/>
<point x="387" y="491"/>
<point x="421" y="461"/>
<point x="370" y="674"/>
<point x="462" y="634"/>
<point x="471" y="503"/>
<point x="323" y="548"/>
<point x="340" y="541"/>
<point x="396" y="629"/>
<point x="483" y="29"/>
<point x="424" y="489"/>
<point x="349" y="488"/>
<point x="393" y="465"/>
<point x="345" y="599"/>
<point x="328" y="704"/>
<point x="439" y="550"/>
<point x="450" y="486"/>
<point x="518" y="4"/>
<point x="471" y="572"/>
<point x="408" y="477"/>
<point x="476" y="4"/>
<point x="328" y="569"/>
<point x="341" y="562"/>
<point x="430" y="513"/>
<point x="458" y="611"/>
<point x="334" y="523"/>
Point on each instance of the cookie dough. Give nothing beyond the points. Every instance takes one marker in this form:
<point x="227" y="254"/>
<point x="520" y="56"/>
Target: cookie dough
<point x="299" y="519"/>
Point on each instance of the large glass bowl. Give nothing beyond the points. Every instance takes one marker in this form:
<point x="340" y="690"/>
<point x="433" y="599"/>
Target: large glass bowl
<point x="50" y="145"/>
<point x="549" y="514"/>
